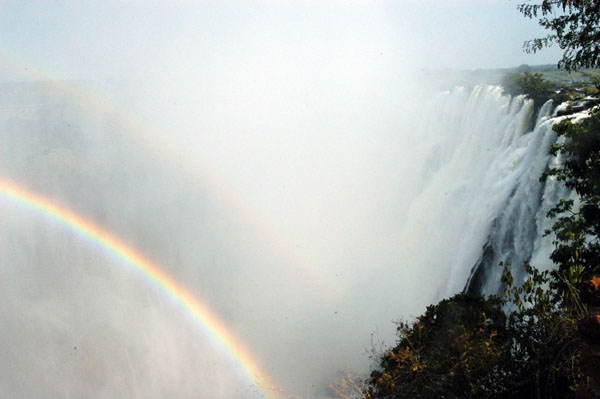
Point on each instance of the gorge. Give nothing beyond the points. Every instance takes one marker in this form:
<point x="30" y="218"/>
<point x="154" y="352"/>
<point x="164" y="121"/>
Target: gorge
<point x="301" y="274"/>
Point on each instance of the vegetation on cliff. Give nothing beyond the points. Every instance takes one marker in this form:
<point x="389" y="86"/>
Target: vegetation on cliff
<point x="530" y="84"/>
<point x="468" y="347"/>
<point x="533" y="85"/>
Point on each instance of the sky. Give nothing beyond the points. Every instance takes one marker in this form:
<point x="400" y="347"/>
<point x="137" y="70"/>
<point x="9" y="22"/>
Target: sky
<point x="117" y="39"/>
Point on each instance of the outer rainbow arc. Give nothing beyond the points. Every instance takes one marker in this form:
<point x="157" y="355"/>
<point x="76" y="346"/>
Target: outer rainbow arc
<point x="151" y="138"/>
<point x="200" y="313"/>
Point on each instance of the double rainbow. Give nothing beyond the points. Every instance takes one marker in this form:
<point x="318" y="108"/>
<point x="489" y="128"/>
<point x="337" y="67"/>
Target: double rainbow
<point x="189" y="166"/>
<point x="211" y="325"/>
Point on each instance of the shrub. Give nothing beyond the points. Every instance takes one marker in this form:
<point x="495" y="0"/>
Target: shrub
<point x="468" y="347"/>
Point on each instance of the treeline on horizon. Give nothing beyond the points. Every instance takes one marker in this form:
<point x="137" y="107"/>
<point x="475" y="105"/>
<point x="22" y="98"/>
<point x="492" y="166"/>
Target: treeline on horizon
<point x="541" y="339"/>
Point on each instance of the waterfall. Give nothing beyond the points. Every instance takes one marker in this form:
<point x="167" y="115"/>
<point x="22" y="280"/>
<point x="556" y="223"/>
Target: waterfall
<point x="481" y="200"/>
<point x="517" y="232"/>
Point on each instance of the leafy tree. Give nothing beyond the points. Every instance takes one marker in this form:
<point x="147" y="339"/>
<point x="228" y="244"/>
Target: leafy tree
<point x="575" y="27"/>
<point x="595" y="80"/>
<point x="533" y="85"/>
<point x="451" y="351"/>
<point x="543" y="326"/>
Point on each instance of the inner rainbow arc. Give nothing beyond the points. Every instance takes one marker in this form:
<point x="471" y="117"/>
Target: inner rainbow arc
<point x="212" y="326"/>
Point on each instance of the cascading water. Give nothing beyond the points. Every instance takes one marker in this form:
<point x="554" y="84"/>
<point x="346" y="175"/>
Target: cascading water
<point x="482" y="201"/>
<point x="401" y="215"/>
<point x="517" y="233"/>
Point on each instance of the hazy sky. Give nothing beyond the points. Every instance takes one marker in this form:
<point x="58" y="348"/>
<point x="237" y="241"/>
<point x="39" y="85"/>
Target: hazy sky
<point x="97" y="39"/>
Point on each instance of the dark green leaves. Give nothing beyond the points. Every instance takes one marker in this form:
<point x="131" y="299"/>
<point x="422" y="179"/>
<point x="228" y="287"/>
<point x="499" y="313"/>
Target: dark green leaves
<point x="575" y="27"/>
<point x="468" y="347"/>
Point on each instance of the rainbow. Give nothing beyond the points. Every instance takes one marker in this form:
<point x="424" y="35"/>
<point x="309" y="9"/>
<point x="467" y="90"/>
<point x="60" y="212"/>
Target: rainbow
<point x="212" y="326"/>
<point x="187" y="164"/>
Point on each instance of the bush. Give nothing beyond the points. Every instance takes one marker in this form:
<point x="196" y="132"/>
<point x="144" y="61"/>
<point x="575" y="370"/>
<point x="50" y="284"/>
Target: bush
<point x="455" y="350"/>
<point x="530" y="84"/>
<point x="468" y="347"/>
<point x="533" y="85"/>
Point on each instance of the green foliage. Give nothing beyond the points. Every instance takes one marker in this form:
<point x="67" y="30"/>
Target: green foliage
<point x="543" y="325"/>
<point x="467" y="347"/>
<point x="453" y="350"/>
<point x="533" y="85"/>
<point x="595" y="79"/>
<point x="577" y="223"/>
<point x="575" y="27"/>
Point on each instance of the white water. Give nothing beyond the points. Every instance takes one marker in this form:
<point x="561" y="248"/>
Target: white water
<point x="482" y="187"/>
<point x="393" y="211"/>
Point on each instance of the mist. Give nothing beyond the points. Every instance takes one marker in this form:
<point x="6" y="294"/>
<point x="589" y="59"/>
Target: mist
<point x="274" y="159"/>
